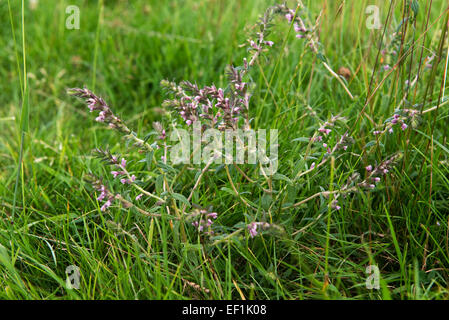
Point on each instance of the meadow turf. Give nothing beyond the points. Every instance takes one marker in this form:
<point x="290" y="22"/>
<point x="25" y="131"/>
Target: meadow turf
<point x="122" y="51"/>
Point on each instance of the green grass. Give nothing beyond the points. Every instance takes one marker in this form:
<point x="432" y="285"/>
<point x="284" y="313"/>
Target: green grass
<point x="123" y="50"/>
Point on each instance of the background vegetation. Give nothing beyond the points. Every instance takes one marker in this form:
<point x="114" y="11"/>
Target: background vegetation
<point x="122" y="51"/>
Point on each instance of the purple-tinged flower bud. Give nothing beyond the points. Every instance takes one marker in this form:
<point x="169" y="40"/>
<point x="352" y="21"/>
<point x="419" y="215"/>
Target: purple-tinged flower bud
<point x="123" y="163"/>
<point x="139" y="197"/>
<point x="369" y="168"/>
<point x="403" y="126"/>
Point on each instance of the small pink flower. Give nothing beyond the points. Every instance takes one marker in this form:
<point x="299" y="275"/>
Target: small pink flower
<point x="297" y="28"/>
<point x="123" y="163"/>
<point x="101" y="117"/>
<point x="369" y="168"/>
<point x="312" y="166"/>
<point x="269" y="43"/>
<point x="106" y="205"/>
<point x="91" y="104"/>
<point x="101" y="196"/>
<point x="324" y="130"/>
<point x="116" y="173"/>
<point x="252" y="229"/>
<point x="213" y="215"/>
<point x="139" y="197"/>
<point x="404" y="126"/>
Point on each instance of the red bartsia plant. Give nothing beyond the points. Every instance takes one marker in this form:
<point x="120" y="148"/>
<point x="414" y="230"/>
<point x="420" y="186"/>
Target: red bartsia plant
<point x="229" y="108"/>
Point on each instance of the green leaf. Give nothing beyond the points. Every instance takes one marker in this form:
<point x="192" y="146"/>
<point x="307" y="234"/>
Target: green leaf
<point x="181" y="198"/>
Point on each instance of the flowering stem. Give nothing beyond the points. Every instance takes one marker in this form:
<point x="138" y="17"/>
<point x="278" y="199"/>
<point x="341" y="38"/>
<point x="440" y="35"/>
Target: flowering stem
<point x="130" y="204"/>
